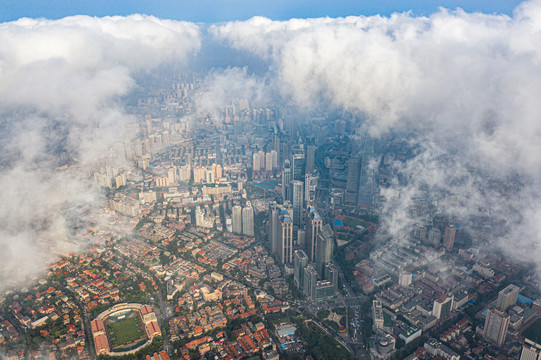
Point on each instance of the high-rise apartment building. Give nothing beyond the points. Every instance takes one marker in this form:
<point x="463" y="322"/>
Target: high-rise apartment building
<point x="449" y="237"/>
<point x="405" y="278"/>
<point x="236" y="217"/>
<point x="276" y="146"/>
<point x="268" y="162"/>
<point x="274" y="159"/>
<point x="258" y="161"/>
<point x="434" y="237"/>
<point x="185" y="172"/>
<point x="496" y="324"/>
<point x="199" y="216"/>
<point x="199" y="174"/>
<point x="248" y="219"/>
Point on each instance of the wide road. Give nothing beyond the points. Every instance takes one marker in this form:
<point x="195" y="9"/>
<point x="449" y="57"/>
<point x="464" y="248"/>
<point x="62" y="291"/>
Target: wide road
<point x="164" y="317"/>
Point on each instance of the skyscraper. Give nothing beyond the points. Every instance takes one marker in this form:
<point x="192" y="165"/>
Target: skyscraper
<point x="297" y="197"/>
<point x="274" y="228"/>
<point x="298" y="166"/>
<point x="367" y="178"/>
<point x="276" y="146"/>
<point x="313" y="226"/>
<point x="248" y="219"/>
<point x="352" y="182"/>
<point x="507" y="297"/>
<point x="310" y="187"/>
<point x="496" y="324"/>
<point x="309" y="282"/>
<point x="286" y="233"/>
<point x="449" y="237"/>
<point x="310" y="157"/>
<point x="300" y="261"/>
<point x="236" y="217"/>
<point x="286" y="180"/>
<point x="324" y="248"/>
<point x="301" y="237"/>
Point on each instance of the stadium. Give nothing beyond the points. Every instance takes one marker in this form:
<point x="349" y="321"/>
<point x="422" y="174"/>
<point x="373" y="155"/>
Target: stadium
<point x="124" y="329"/>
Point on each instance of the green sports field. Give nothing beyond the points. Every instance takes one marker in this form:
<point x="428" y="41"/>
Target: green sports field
<point x="126" y="331"/>
<point x="348" y="221"/>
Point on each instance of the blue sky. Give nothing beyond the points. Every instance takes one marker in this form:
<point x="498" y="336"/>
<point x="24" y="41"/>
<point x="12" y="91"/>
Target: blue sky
<point x="225" y="10"/>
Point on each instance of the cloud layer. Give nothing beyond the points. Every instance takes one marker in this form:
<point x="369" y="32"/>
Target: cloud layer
<point x="464" y="87"/>
<point x="60" y="88"/>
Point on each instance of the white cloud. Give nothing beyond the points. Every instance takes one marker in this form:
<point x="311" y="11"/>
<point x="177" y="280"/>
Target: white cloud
<point x="467" y="85"/>
<point x="231" y="85"/>
<point x="464" y="86"/>
<point x="60" y="85"/>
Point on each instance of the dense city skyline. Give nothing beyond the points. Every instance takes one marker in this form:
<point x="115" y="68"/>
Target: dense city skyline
<point x="271" y="180"/>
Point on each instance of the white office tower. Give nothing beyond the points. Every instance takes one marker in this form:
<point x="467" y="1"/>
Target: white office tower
<point x="236" y="217"/>
<point x="248" y="219"/>
<point x="530" y="350"/>
<point x="405" y="278"/>
<point x="507" y="297"/>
